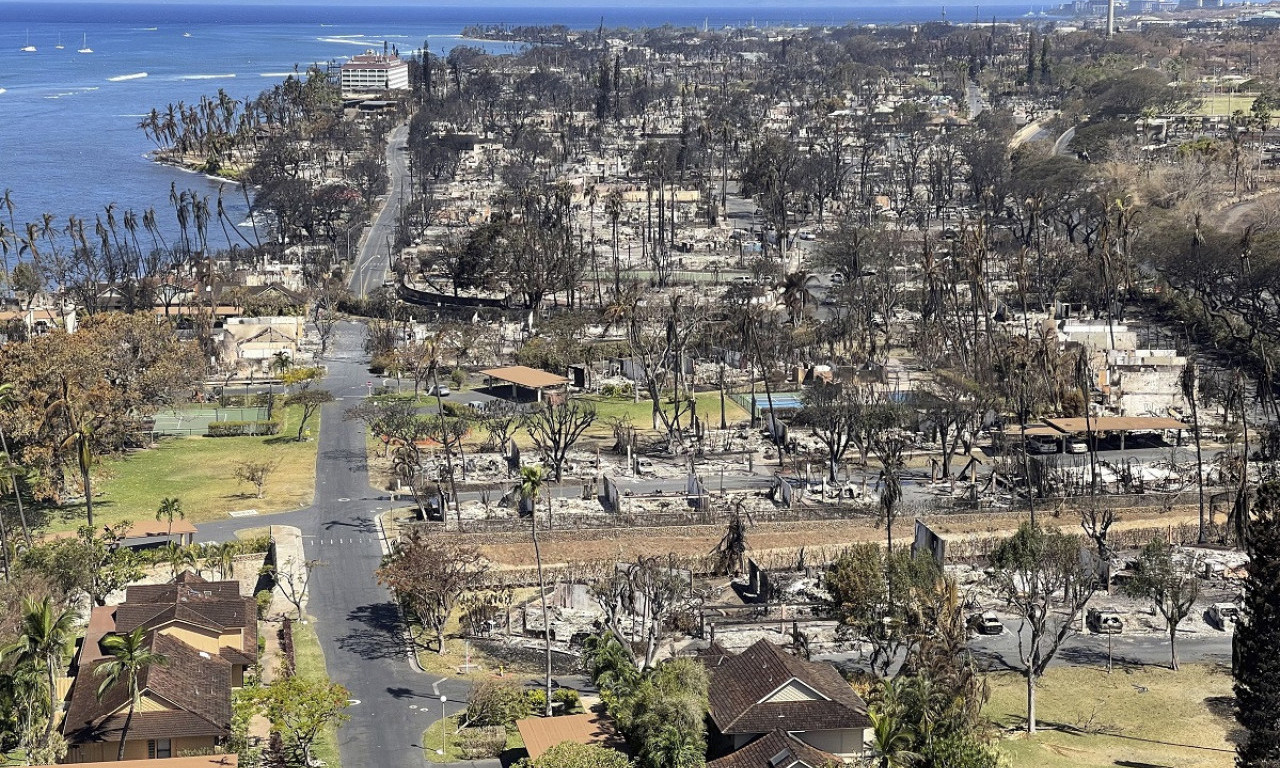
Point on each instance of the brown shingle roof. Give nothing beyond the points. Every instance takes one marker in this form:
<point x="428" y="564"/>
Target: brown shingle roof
<point x="776" y="749"/>
<point x="740" y="684"/>
<point x="196" y="684"/>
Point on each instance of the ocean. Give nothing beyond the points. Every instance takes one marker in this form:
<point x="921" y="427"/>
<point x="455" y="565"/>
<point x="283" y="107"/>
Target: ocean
<point x="69" y="141"/>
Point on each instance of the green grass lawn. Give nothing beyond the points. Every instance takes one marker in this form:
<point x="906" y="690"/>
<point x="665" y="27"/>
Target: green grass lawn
<point x="310" y="666"/>
<point x="641" y="413"/>
<point x="1147" y="716"/>
<point x="200" y="472"/>
<point x="1226" y="104"/>
<point x="444" y="731"/>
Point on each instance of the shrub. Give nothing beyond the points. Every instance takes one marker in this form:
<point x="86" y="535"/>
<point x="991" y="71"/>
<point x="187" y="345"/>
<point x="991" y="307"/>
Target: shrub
<point x="568" y="700"/>
<point x="244" y="428"/>
<point x="537" y="699"/>
<point x="263" y="599"/>
<point x="458" y="377"/>
<point x="498" y="702"/>
<point x="616" y="390"/>
<point x="481" y="743"/>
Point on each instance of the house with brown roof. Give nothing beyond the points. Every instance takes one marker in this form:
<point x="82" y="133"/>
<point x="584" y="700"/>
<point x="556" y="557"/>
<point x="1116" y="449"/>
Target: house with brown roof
<point x="207" y="632"/>
<point x="770" y="709"/>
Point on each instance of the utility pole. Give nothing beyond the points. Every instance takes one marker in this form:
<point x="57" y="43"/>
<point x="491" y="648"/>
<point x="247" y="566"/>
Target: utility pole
<point x="1111" y="18"/>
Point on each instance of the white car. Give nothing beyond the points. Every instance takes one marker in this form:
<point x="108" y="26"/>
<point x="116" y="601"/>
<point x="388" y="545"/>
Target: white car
<point x="439" y="390"/>
<point x="1077" y="445"/>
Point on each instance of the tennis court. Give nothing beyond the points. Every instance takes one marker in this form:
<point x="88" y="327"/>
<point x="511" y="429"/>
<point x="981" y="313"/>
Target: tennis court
<point x="195" y="420"/>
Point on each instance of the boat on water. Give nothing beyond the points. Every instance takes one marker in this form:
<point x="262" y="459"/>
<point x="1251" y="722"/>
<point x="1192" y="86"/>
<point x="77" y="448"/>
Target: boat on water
<point x="29" y="48"/>
<point x="186" y="34"/>
<point x="59" y="46"/>
<point x="84" y="45"/>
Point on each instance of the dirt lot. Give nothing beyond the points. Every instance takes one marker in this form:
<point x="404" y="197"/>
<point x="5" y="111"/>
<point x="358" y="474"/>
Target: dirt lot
<point x="821" y="539"/>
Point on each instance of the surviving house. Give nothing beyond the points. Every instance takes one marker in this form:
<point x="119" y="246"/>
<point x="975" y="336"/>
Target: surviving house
<point x="770" y="709"/>
<point x="207" y="633"/>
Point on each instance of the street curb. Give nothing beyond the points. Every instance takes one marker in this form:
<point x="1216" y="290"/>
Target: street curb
<point x="406" y="638"/>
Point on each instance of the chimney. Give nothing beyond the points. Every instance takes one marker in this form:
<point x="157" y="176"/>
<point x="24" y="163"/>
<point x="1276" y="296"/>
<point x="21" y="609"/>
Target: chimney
<point x="1111" y="18"/>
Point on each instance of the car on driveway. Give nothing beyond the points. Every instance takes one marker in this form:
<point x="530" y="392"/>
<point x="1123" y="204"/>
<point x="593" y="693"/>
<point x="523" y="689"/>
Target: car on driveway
<point x="1224" y="615"/>
<point x="1102" y="621"/>
<point x="986" y="623"/>
<point x="438" y="390"/>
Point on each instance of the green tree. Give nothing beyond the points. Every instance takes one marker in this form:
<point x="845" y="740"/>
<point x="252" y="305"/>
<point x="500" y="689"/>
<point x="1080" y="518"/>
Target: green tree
<point x="310" y="401"/>
<point x="891" y="741"/>
<point x="570" y="754"/>
<point x="128" y="656"/>
<point x="1255" y="664"/>
<point x="46" y="635"/>
<point x="170" y="508"/>
<point x="873" y="594"/>
<point x="1040" y="574"/>
<point x="532" y="481"/>
<point x="300" y="709"/>
<point x="1171" y="583"/>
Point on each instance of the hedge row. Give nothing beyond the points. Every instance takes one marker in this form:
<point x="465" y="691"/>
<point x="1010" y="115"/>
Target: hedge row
<point x="243" y="428"/>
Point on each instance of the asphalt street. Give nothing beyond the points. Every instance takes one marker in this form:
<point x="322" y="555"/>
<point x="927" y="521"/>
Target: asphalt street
<point x="356" y="620"/>
<point x="370" y="270"/>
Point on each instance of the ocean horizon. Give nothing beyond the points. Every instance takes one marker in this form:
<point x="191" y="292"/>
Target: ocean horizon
<point x="68" y="131"/>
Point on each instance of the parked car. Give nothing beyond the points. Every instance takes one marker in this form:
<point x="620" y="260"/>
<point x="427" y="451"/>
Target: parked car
<point x="1077" y="445"/>
<point x="438" y="390"/>
<point x="1103" y="621"/>
<point x="1042" y="444"/>
<point x="1224" y="615"/>
<point x="479" y="406"/>
<point x="985" y="623"/>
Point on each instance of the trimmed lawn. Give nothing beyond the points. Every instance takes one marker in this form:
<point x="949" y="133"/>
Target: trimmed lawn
<point x="310" y="659"/>
<point x="442" y="732"/>
<point x="1134" y="716"/>
<point x="435" y="733"/>
<point x="1226" y="104"/>
<point x="200" y="472"/>
<point x="641" y="413"/>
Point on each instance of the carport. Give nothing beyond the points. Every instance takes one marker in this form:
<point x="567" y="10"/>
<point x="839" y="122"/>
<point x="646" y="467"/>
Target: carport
<point x="1121" y="425"/>
<point x="524" y="377"/>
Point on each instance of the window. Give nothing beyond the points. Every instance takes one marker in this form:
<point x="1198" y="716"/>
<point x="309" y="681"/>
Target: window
<point x="164" y="748"/>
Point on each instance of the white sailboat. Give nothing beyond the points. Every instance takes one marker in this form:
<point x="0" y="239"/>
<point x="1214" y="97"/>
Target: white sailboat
<point x="84" y="45"/>
<point x="59" y="46"/>
<point x="29" y="48"/>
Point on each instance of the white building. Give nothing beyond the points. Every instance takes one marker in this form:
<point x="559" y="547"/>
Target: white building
<point x="374" y="73"/>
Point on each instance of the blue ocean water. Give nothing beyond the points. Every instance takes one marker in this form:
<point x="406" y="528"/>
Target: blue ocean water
<point x="69" y="141"/>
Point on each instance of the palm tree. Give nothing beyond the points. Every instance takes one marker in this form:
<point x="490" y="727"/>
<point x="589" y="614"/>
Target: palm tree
<point x="1189" y="382"/>
<point x="224" y="556"/>
<point x="170" y="508"/>
<point x="128" y="656"/>
<point x="11" y="469"/>
<point x="46" y="631"/>
<point x="180" y="558"/>
<point x="532" y="481"/>
<point x="890" y="741"/>
<point x="80" y="428"/>
<point x="676" y="747"/>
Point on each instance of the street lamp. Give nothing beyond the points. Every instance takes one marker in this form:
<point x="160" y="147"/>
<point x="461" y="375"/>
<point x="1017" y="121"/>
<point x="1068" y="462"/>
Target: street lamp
<point x="444" y="728"/>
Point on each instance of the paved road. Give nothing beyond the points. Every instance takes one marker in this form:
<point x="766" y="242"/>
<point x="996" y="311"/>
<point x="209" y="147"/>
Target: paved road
<point x="977" y="104"/>
<point x="370" y="270"/>
<point x="356" y="620"/>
